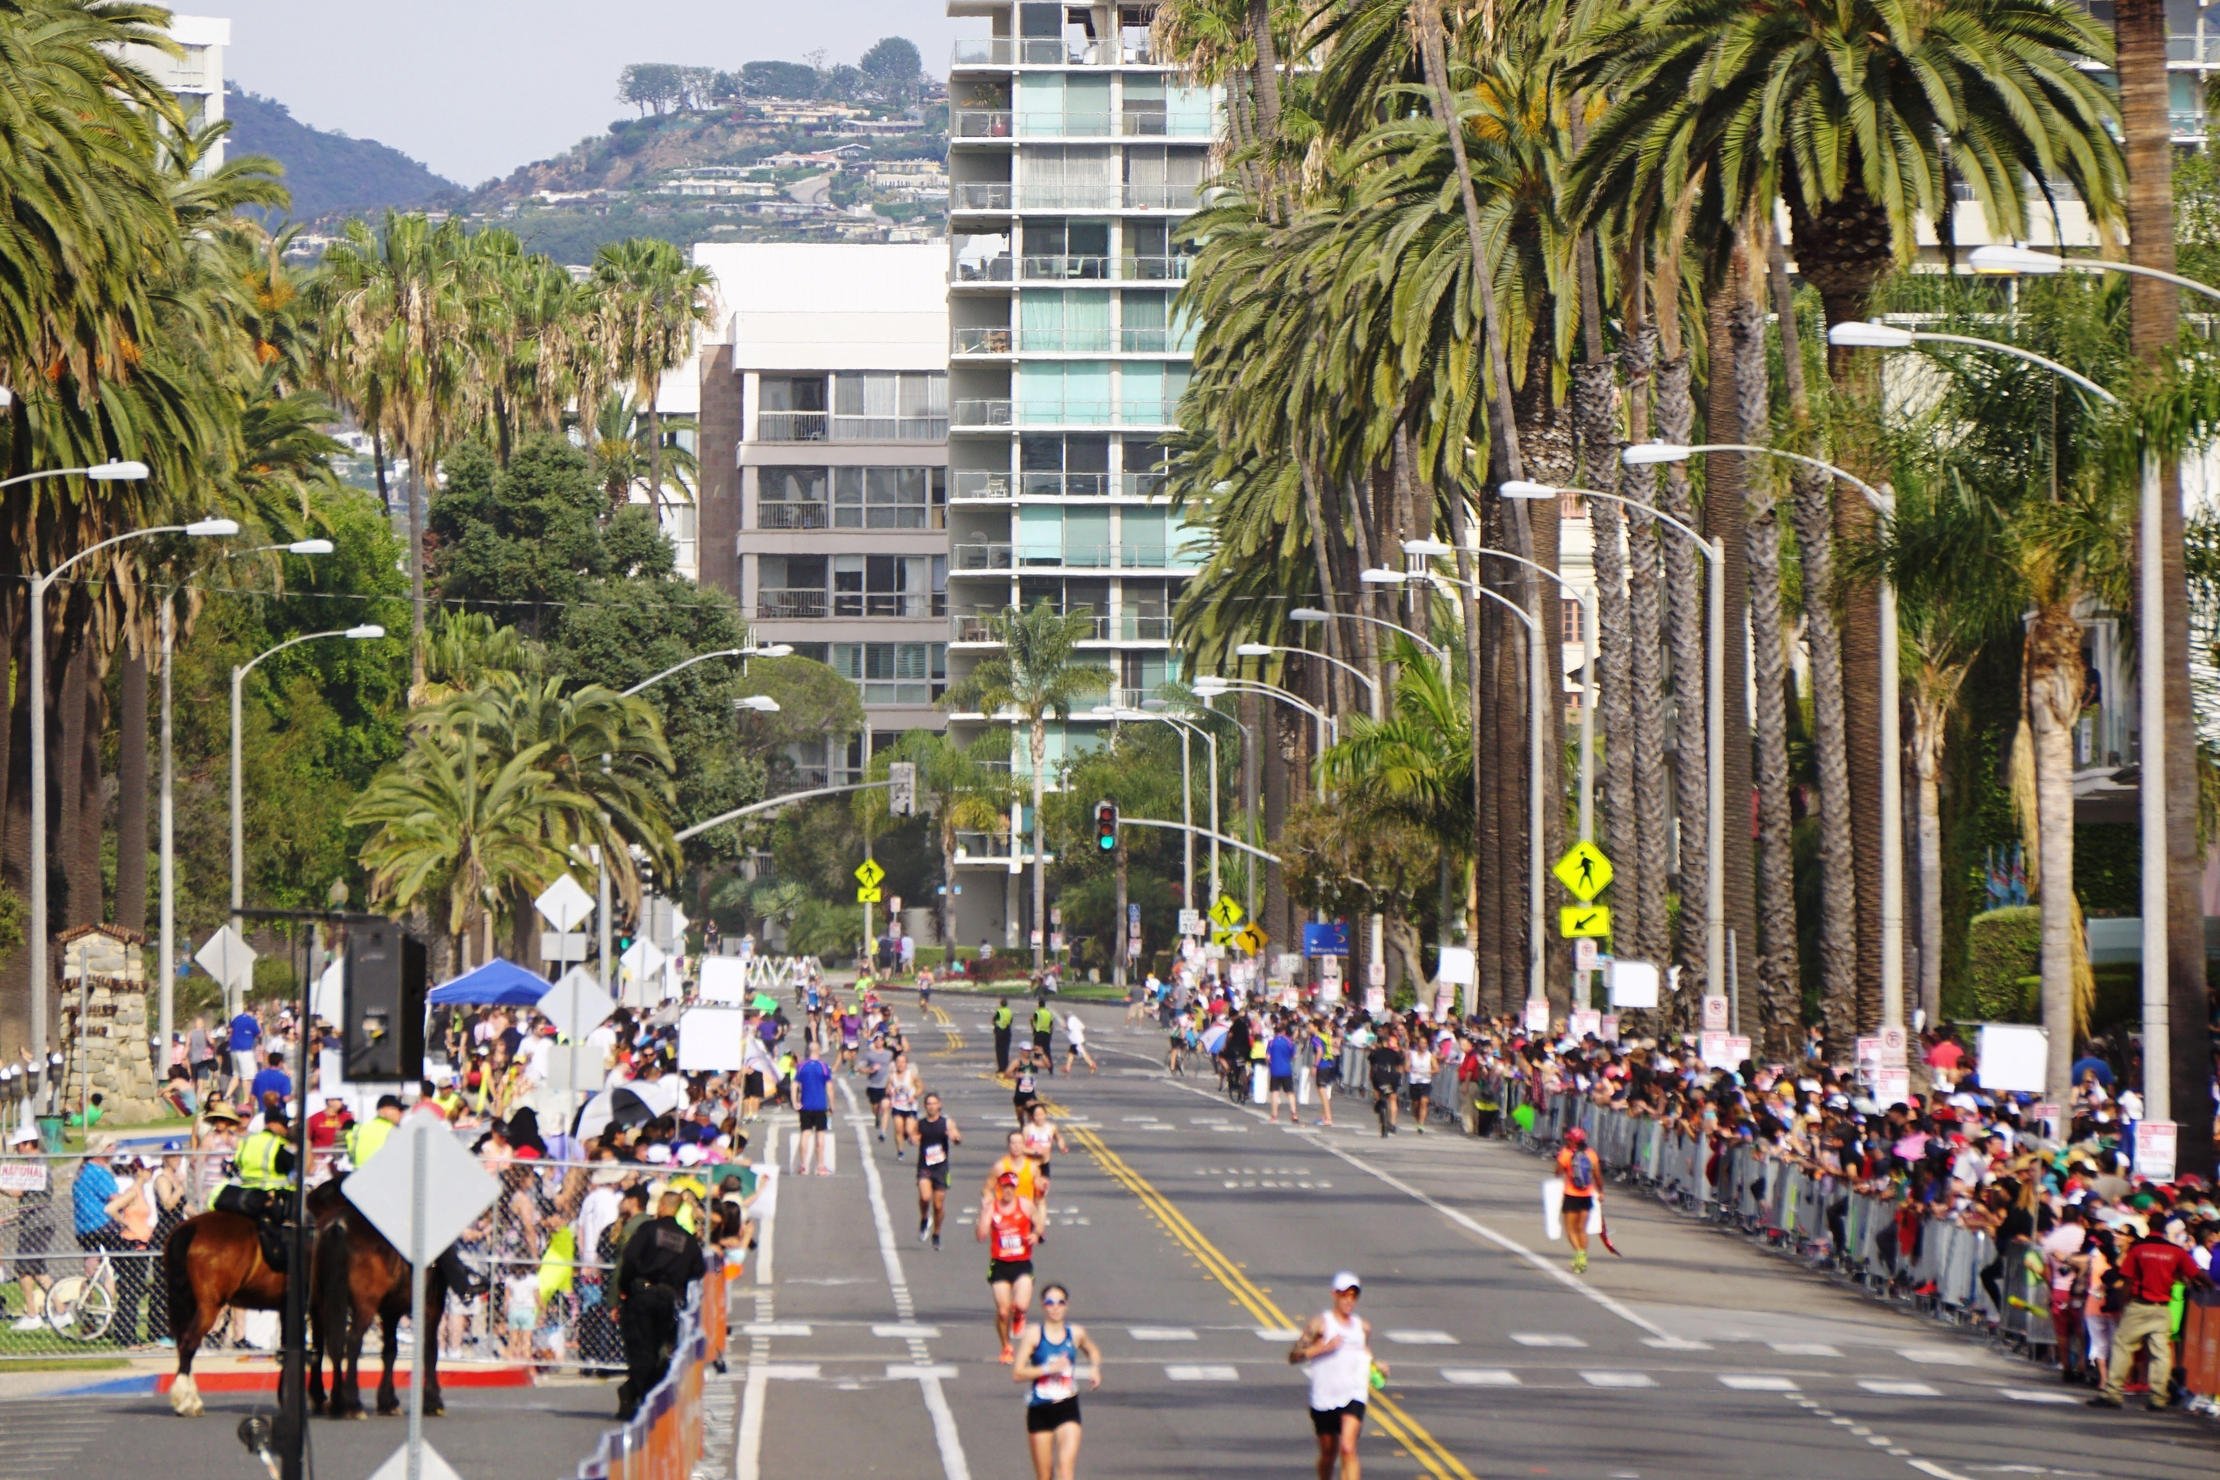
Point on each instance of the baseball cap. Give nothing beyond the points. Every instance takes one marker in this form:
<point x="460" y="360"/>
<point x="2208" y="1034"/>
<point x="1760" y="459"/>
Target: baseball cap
<point x="1347" y="1280"/>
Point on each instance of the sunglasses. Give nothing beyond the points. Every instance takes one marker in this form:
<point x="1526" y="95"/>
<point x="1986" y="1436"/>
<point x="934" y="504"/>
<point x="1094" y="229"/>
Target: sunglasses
<point x="1050" y="1301"/>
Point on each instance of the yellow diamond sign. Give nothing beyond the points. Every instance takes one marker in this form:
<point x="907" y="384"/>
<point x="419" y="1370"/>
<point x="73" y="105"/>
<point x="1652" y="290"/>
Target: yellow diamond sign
<point x="1584" y="871"/>
<point x="1584" y="921"/>
<point x="1227" y="912"/>
<point x="869" y="874"/>
<point x="1251" y="940"/>
<point x="869" y="894"/>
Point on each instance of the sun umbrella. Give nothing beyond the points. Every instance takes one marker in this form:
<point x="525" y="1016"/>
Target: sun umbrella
<point x="619" y="1108"/>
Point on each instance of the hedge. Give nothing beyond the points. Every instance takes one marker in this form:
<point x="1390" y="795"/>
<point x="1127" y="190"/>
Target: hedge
<point x="2003" y="947"/>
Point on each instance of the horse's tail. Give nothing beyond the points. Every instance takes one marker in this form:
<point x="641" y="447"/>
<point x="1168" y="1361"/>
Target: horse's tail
<point x="328" y="1301"/>
<point x="177" y="1274"/>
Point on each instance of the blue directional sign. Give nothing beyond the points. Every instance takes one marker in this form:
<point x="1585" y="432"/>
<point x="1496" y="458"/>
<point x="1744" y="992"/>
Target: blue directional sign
<point x="1329" y="939"/>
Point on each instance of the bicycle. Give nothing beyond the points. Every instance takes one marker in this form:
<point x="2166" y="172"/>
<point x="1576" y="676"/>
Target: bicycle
<point x="82" y="1307"/>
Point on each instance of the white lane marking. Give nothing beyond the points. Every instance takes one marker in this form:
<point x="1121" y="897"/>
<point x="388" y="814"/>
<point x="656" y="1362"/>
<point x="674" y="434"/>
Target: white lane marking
<point x="919" y="1371"/>
<point x="1889" y="1388"/>
<point x="788" y="1371"/>
<point x="1204" y="1372"/>
<point x="1805" y="1348"/>
<point x="1929" y="1467"/>
<point x="1939" y="1356"/>
<point x="1675" y="1344"/>
<point x="2037" y="1395"/>
<point x="1160" y="1333"/>
<point x="906" y="1331"/>
<point x="755" y="1391"/>
<point x="774" y="1328"/>
<point x="953" y="1464"/>
<point x="1545" y="1338"/>
<point x="1756" y="1382"/>
<point x="1277" y="1333"/>
<point x="1420" y="1338"/>
<point x="1479" y="1377"/>
<point x="1618" y="1379"/>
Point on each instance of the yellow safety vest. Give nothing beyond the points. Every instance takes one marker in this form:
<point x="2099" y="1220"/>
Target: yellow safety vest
<point x="256" y="1160"/>
<point x="365" y="1137"/>
<point x="1002" y="1017"/>
<point x="1044" y="1021"/>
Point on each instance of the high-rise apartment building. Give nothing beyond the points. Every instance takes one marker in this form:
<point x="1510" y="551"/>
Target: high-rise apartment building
<point x="196" y="76"/>
<point x="1074" y="155"/>
<point x="823" y="449"/>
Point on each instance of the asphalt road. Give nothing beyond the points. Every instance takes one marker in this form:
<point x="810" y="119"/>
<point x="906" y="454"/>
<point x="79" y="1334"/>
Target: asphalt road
<point x="1194" y="1236"/>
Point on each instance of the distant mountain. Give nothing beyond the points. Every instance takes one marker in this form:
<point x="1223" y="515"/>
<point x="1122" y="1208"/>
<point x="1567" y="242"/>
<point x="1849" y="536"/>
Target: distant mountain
<point x="329" y="173"/>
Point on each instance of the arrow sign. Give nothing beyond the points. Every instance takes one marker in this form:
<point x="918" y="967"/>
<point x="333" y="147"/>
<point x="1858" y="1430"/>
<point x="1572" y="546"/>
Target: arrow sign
<point x="870" y="894"/>
<point x="1584" y="921"/>
<point x="564" y="904"/>
<point x="869" y="874"/>
<point x="1584" y="871"/>
<point x="229" y="959"/>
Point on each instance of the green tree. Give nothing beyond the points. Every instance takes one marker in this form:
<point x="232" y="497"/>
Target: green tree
<point x="1035" y="675"/>
<point x="893" y="69"/>
<point x="525" y="541"/>
<point x="961" y="788"/>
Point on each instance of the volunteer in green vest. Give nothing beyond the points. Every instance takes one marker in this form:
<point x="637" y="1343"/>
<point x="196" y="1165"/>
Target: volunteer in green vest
<point x="364" y="1137"/>
<point x="1003" y="1017"/>
<point x="1044" y="1031"/>
<point x="262" y="1174"/>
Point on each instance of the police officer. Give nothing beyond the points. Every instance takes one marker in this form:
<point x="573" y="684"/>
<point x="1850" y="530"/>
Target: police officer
<point x="1044" y="1031"/>
<point x="660" y="1260"/>
<point x="364" y="1137"/>
<point x="262" y="1174"/>
<point x="1003" y="1017"/>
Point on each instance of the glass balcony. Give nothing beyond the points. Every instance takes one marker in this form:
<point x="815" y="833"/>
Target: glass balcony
<point x="792" y="426"/>
<point x="1133" y="627"/>
<point x="982" y="411"/>
<point x="1059" y="196"/>
<point x="985" y="51"/>
<point x="790" y="514"/>
<point x="1052" y="267"/>
<point x="1059" y="125"/>
<point x="1000" y="269"/>
<point x="1157" y="124"/>
<point x="1162" y="197"/>
<point x="993" y="195"/>
<point x="1068" y="341"/>
<point x="1050" y="51"/>
<point x="979" y="486"/>
<point x="983" y="846"/>
<point x="1139" y="269"/>
<point x="979" y="123"/>
<point x="994" y="339"/>
<point x="991" y="556"/>
<point x="1064" y="485"/>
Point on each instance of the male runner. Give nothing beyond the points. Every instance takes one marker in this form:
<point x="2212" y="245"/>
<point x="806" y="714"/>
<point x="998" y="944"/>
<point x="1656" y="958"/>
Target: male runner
<point x="1279" y="1068"/>
<point x="1583" y="1175"/>
<point x="1006" y="1227"/>
<point x="813" y="1096"/>
<point x="875" y="1063"/>
<point x="902" y="1086"/>
<point x="937" y="1135"/>
<point x="1027" y="1072"/>
<point x="1075" y="1049"/>
<point x="1335" y="1350"/>
<point x="1386" y="1060"/>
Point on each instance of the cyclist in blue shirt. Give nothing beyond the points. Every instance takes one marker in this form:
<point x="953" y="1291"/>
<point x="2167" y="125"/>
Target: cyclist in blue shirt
<point x="813" y="1095"/>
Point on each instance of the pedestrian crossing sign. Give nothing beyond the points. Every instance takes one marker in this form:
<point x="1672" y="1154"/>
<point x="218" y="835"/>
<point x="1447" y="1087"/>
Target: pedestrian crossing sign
<point x="869" y="874"/>
<point x="1227" y="913"/>
<point x="1584" y="921"/>
<point x="1584" y="871"/>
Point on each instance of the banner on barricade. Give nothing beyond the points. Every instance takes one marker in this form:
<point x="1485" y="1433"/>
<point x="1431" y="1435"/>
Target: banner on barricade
<point x="2155" y="1142"/>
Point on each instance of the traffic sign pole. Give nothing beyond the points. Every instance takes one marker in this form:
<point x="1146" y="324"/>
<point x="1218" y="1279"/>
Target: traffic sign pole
<point x="417" y="1191"/>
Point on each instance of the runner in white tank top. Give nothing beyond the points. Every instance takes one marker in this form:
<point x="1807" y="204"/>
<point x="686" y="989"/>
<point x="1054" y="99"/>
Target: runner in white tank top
<point x="1335" y="1350"/>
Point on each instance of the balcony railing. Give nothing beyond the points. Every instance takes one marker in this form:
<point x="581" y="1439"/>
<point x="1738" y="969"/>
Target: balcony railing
<point x="1096" y="414"/>
<point x="992" y="556"/>
<point x="889" y="428"/>
<point x="979" y="123"/>
<point x="789" y="604"/>
<point x="998" y="269"/>
<point x="1161" y="125"/>
<point x="1066" y="267"/>
<point x="1052" y="51"/>
<point x="980" y="196"/>
<point x="977" y="486"/>
<point x="1093" y="341"/>
<point x="1133" y="627"/>
<point x="790" y="514"/>
<point x="975" y="628"/>
<point x="981" y="340"/>
<point x="792" y="426"/>
<point x="1151" y="341"/>
<point x="1161" y="197"/>
<point x="981" y="411"/>
<point x="1157" y="269"/>
<point x="983" y="845"/>
<point x="1061" y="125"/>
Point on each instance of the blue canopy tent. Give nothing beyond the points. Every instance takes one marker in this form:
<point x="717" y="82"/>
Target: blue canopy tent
<point x="498" y="983"/>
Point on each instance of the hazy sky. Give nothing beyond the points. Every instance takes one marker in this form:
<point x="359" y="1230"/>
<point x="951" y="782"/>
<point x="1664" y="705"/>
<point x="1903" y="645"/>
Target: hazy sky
<point x="475" y="88"/>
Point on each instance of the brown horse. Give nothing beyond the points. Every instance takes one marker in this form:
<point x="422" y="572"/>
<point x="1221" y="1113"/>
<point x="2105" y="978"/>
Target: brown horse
<point x="212" y="1260"/>
<point x="358" y="1277"/>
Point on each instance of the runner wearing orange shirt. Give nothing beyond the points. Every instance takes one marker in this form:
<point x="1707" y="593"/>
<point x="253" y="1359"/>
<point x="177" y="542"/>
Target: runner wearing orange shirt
<point x="1006" y="1227"/>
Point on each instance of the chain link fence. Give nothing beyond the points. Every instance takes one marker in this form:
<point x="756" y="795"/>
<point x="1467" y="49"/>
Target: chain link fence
<point x="82" y="1272"/>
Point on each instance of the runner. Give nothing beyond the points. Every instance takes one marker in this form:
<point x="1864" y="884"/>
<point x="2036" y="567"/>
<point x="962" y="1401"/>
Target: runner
<point x="1076" y="1032"/>
<point x="1419" y="1064"/>
<point x="925" y="988"/>
<point x="1006" y="1227"/>
<point x="1041" y="1139"/>
<point x="901" y="1101"/>
<point x="1335" y="1350"/>
<point x="1027" y="1072"/>
<point x="851" y="1033"/>
<point x="1583" y="1175"/>
<point x="1052" y="1367"/>
<point x="1327" y="1072"/>
<point x="1279" y="1068"/>
<point x="813" y="1097"/>
<point x="1018" y="1162"/>
<point x="1387" y="1077"/>
<point x="1175" y="1054"/>
<point x="937" y="1136"/>
<point x="875" y="1064"/>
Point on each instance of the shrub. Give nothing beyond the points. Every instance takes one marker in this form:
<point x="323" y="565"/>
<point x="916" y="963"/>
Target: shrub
<point x="2002" y="948"/>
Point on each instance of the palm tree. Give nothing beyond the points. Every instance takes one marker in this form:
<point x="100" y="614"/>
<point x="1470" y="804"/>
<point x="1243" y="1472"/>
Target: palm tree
<point x="649" y="301"/>
<point x="624" y="449"/>
<point x="1035" y="676"/>
<point x="962" y="788"/>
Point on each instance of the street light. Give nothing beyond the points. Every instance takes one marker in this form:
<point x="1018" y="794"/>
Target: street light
<point x="757" y="703"/>
<point x="1537" y="759"/>
<point x="1715" y="705"/>
<point x="1312" y="614"/>
<point x="107" y="472"/>
<point x="1187" y="729"/>
<point x="2150" y="667"/>
<point x="366" y="632"/>
<point x="774" y="650"/>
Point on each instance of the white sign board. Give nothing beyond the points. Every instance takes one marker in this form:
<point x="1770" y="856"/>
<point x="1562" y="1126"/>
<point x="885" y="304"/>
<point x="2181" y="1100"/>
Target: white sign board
<point x="557" y="946"/>
<point x="565" y="904"/>
<point x="1537" y="1015"/>
<point x="1894" y="1045"/>
<point x="329" y="1000"/>
<point x="1717" y="1049"/>
<point x="2154" y="1149"/>
<point x="710" y="1039"/>
<point x="1610" y="1031"/>
<point x="1459" y="967"/>
<point x="724" y="978"/>
<point x="1633" y="984"/>
<point x="1892" y="1086"/>
<point x="1329" y="970"/>
<point x="576" y="1004"/>
<point x="1583" y="1022"/>
<point x="229" y="959"/>
<point x="2014" y="1057"/>
<point x="456" y="1188"/>
<point x="1715" y="1014"/>
<point x="1584" y="955"/>
<point x="1190" y="922"/>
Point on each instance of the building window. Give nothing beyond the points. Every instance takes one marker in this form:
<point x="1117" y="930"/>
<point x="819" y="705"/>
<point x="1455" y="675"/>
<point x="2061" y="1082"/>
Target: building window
<point x="889" y="498"/>
<point x="792" y="498"/>
<point x="890" y="406"/>
<point x="914" y="673"/>
<point x="1569" y="614"/>
<point x="791" y="408"/>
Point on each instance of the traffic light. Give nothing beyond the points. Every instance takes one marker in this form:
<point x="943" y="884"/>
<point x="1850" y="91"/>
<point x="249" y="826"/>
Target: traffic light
<point x="902" y="791"/>
<point x="1106" y="826"/>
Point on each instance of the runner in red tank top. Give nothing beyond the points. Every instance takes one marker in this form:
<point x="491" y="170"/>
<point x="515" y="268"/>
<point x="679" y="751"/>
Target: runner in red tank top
<point x="1006" y="1228"/>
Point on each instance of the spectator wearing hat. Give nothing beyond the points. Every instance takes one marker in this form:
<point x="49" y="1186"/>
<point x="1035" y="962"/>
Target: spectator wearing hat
<point x="33" y="1218"/>
<point x="90" y="1195"/>
<point x="2150" y="1268"/>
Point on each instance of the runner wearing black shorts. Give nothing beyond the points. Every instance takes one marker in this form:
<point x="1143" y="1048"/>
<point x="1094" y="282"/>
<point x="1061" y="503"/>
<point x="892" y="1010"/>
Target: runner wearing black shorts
<point x="937" y="1138"/>
<point x="1028" y="1087"/>
<point x="1387" y="1079"/>
<point x="1006" y="1227"/>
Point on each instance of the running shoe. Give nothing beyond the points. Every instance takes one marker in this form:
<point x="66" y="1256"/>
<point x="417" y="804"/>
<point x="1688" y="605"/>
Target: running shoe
<point x="1009" y="1354"/>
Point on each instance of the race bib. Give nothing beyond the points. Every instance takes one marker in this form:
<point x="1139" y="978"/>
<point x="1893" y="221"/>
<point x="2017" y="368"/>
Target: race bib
<point x="1025" y="1084"/>
<point x="1009" y="1244"/>
<point x="1055" y="1389"/>
<point x="935" y="1155"/>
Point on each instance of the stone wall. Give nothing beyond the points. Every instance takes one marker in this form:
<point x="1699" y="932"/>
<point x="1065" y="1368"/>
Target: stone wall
<point x="104" y="979"/>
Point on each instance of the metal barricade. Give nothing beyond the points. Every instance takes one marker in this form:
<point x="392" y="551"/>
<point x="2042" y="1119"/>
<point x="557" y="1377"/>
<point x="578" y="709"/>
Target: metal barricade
<point x="664" y="1438"/>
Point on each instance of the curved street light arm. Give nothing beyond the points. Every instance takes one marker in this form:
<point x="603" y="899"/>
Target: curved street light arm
<point x="1883" y="503"/>
<point x="2017" y="353"/>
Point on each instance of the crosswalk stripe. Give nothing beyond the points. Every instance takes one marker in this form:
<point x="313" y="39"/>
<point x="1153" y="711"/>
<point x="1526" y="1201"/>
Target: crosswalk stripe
<point x="1805" y="1348"/>
<point x="1205" y="1372"/>
<point x="1545" y="1338"/>
<point x="1277" y="1333"/>
<point x="1420" y="1338"/>
<point x="775" y="1328"/>
<point x="1756" y="1382"/>
<point x="1618" y="1379"/>
<point x="1888" y="1388"/>
<point x="1160" y="1333"/>
<point x="1675" y="1344"/>
<point x="1479" y="1377"/>
<point x="1938" y="1356"/>
<point x="2037" y="1395"/>
<point x="906" y="1331"/>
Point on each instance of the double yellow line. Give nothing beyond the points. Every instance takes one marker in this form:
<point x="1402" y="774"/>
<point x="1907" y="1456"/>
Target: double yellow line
<point x="1391" y="1417"/>
<point x="940" y="1019"/>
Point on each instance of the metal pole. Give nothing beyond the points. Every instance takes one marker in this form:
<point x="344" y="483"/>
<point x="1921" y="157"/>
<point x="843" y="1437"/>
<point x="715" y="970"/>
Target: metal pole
<point x="1588" y="719"/>
<point x="1537" y="744"/>
<point x="238" y="826"/>
<point x="1715" y="774"/>
<point x="36" y="926"/>
<point x="1734" y="988"/>
<point x="1187" y="815"/>
<point x="2150" y="639"/>
<point x="1377" y="955"/>
<point x="418" y="1192"/>
<point x="606" y="930"/>
<point x="1892" y="818"/>
<point x="1211" y="741"/>
<point x="166" y="956"/>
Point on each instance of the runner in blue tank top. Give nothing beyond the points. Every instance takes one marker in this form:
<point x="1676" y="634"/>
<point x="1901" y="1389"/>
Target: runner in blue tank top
<point x="1051" y="1365"/>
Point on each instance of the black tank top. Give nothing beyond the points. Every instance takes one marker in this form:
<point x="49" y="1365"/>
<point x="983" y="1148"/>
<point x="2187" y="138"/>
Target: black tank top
<point x="932" y="1142"/>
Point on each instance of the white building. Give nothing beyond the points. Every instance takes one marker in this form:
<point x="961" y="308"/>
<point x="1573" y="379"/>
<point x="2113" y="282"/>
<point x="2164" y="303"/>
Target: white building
<point x="197" y="77"/>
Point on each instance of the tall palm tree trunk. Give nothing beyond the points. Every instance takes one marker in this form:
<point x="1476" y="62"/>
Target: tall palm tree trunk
<point x="1929" y="722"/>
<point x="1773" y="953"/>
<point x="131" y="792"/>
<point x="1724" y="482"/>
<point x="1594" y="383"/>
<point x="416" y="573"/>
<point x="2054" y="688"/>
<point x="1650" y="937"/>
<point x="2140" y="29"/>
<point x="1676" y="419"/>
<point x="1037" y="738"/>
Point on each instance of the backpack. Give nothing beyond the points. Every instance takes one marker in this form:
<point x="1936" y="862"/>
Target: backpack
<point x="2115" y="1293"/>
<point x="1580" y="1175"/>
